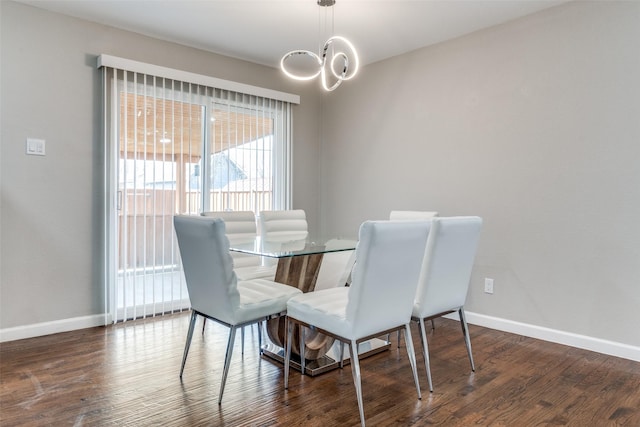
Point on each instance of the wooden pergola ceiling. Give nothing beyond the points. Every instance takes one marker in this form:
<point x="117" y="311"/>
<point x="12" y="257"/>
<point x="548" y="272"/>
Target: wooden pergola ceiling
<point x="159" y="127"/>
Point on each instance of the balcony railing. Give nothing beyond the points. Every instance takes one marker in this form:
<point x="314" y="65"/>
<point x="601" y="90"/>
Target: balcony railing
<point x="147" y="240"/>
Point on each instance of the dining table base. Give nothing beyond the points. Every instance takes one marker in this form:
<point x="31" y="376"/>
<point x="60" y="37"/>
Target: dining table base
<point x="300" y="272"/>
<point x="330" y="360"/>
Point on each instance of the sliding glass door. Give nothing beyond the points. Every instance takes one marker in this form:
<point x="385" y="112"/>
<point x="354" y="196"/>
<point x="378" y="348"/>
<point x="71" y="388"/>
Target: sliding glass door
<point x="180" y="148"/>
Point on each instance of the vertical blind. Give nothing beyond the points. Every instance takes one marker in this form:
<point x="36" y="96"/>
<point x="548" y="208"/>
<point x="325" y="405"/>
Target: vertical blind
<point x="176" y="145"/>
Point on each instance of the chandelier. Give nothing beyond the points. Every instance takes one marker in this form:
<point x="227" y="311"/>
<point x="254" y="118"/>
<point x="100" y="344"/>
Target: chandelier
<point x="336" y="61"/>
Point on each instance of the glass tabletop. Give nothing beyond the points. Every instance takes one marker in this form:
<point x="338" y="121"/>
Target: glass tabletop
<point x="290" y="248"/>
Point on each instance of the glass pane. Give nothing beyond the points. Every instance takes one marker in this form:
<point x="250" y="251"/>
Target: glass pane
<point x="161" y="140"/>
<point x="240" y="165"/>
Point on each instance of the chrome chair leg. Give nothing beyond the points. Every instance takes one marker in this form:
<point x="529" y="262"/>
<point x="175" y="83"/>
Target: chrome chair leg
<point x="242" y="338"/>
<point x="412" y="357"/>
<point x="260" y="337"/>
<point x="355" y="370"/>
<point x="192" y="324"/>
<point x="341" y="354"/>
<point x="287" y="353"/>
<point x="204" y="323"/>
<point x="227" y="360"/>
<point x="467" y="338"/>
<point x="302" y="357"/>
<point x="388" y="339"/>
<point x="425" y="352"/>
<point x="433" y="326"/>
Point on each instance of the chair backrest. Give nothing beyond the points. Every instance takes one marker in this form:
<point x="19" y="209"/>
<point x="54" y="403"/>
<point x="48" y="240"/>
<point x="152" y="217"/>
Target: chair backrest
<point x="240" y="227"/>
<point x="446" y="271"/>
<point x="335" y="269"/>
<point x="411" y="215"/>
<point x="208" y="268"/>
<point x="385" y="276"/>
<point x="285" y="225"/>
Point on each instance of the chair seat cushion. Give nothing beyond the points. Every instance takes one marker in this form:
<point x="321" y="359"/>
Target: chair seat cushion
<point x="325" y="309"/>
<point x="260" y="297"/>
<point x="256" y="272"/>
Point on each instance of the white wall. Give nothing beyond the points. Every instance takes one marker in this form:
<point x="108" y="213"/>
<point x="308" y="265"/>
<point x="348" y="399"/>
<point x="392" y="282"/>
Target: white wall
<point x="52" y="208"/>
<point x="533" y="125"/>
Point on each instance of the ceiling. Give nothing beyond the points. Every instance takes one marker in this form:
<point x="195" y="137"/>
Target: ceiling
<point x="261" y="31"/>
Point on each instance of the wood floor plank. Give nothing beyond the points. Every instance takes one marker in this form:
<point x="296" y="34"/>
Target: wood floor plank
<point x="127" y="375"/>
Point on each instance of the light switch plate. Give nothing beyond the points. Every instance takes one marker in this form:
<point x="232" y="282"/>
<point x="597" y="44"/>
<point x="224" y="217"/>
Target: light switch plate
<point x="35" y="147"/>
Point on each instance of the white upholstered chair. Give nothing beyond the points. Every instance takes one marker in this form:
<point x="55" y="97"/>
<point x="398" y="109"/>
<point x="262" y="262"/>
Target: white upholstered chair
<point x="445" y="276"/>
<point x="288" y="227"/>
<point x="214" y="290"/>
<point x="412" y="216"/>
<point x="379" y="300"/>
<point x="241" y="227"/>
<point x="336" y="267"/>
<point x="283" y="225"/>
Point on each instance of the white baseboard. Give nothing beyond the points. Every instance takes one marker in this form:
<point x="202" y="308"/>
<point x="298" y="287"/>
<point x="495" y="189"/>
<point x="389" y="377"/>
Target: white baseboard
<point x="598" y="345"/>
<point x="54" y="327"/>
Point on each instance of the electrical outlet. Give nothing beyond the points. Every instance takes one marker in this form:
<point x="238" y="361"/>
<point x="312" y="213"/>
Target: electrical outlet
<point x="488" y="286"/>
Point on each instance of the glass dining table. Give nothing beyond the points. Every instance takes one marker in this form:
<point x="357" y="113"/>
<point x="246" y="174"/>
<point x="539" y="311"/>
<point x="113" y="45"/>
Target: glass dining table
<point x="298" y="264"/>
<point x="298" y="260"/>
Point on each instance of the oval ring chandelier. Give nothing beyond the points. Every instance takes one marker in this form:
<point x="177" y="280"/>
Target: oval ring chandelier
<point x="337" y="60"/>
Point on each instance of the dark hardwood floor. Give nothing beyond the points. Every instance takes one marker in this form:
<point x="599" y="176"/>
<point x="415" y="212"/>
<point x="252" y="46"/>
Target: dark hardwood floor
<point x="127" y="375"/>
